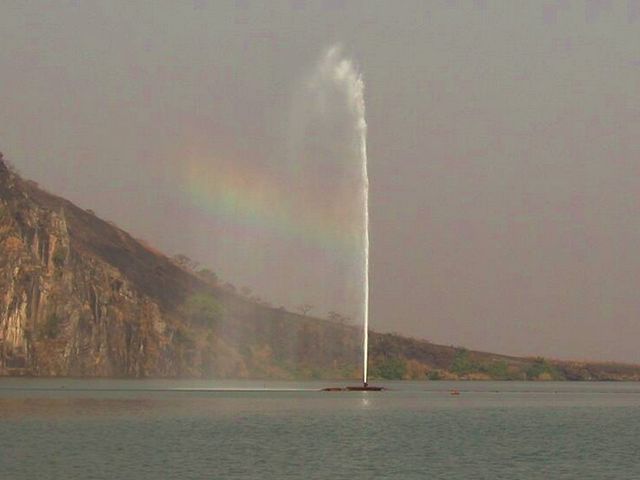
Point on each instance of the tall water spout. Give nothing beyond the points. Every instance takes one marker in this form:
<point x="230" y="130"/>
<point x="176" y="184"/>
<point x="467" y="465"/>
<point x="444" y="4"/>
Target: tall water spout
<point x="362" y="127"/>
<point x="340" y="73"/>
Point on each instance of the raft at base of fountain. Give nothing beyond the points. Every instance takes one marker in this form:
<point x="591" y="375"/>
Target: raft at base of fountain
<point x="356" y="388"/>
<point x="365" y="388"/>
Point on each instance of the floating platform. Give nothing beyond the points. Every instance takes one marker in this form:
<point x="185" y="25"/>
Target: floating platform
<point x="358" y="388"/>
<point x="365" y="388"/>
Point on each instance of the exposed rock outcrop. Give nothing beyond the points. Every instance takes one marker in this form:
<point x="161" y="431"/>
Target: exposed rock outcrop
<point x="65" y="310"/>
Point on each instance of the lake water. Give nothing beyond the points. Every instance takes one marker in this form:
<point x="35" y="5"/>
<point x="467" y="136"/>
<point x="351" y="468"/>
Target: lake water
<point x="105" y="429"/>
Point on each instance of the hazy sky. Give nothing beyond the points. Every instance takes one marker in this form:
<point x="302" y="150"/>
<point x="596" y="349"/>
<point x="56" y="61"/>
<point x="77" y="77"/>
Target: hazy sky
<point x="504" y="145"/>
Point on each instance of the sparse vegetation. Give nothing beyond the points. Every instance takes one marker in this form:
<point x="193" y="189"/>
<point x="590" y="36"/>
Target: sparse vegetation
<point x="183" y="338"/>
<point x="203" y="309"/>
<point x="462" y="363"/>
<point x="50" y="329"/>
<point x="9" y="164"/>
<point x="209" y="276"/>
<point x="305" y="308"/>
<point x="59" y="257"/>
<point x="389" y="368"/>
<point x="229" y="287"/>
<point x="541" y="369"/>
<point x="498" y="370"/>
<point x="185" y="262"/>
<point x="337" y="317"/>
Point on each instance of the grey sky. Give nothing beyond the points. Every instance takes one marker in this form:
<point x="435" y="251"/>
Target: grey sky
<point x="503" y="145"/>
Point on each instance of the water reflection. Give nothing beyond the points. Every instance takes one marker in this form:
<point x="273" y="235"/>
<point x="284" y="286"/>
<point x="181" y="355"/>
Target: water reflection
<point x="17" y="409"/>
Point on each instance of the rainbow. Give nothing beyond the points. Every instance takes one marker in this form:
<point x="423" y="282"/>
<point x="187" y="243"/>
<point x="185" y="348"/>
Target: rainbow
<point x="254" y="202"/>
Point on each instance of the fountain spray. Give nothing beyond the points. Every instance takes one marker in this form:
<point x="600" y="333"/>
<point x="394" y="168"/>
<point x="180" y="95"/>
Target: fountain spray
<point x="343" y="73"/>
<point x="339" y="74"/>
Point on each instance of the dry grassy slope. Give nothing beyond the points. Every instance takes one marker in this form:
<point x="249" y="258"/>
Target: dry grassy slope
<point x="150" y="272"/>
<point x="82" y="297"/>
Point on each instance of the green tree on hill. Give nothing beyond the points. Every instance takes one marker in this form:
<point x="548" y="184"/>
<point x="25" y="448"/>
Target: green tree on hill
<point x="208" y="276"/>
<point x="462" y="363"/>
<point x="497" y="370"/>
<point x="541" y="369"/>
<point x="389" y="368"/>
<point x="203" y="309"/>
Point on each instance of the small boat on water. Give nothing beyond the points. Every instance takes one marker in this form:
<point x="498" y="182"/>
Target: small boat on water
<point x="454" y="392"/>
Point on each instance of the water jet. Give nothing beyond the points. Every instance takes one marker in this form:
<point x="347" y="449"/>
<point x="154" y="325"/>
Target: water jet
<point x="344" y="76"/>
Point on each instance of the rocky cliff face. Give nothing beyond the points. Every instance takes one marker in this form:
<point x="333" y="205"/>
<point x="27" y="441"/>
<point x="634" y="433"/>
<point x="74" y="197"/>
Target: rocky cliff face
<point x="65" y="310"/>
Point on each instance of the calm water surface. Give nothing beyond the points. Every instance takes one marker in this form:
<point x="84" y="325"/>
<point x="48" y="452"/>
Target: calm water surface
<point x="104" y="429"/>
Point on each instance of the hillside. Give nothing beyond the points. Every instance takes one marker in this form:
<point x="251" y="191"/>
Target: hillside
<point x="81" y="297"/>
